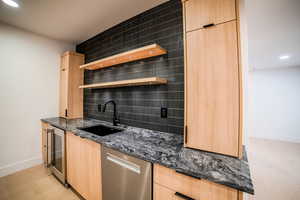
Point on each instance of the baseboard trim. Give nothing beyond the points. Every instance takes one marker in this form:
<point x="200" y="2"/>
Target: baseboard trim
<point x="12" y="168"/>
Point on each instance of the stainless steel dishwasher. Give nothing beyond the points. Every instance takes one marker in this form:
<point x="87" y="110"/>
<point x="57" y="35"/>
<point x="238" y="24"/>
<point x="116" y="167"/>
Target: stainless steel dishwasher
<point x="125" y="177"/>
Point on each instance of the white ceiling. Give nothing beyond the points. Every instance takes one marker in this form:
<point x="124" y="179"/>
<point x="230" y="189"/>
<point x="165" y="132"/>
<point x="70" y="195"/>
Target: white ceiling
<point x="273" y="30"/>
<point x="72" y="20"/>
<point x="273" y="25"/>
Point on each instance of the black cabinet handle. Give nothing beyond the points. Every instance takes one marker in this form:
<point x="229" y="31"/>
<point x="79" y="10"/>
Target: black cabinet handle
<point x="208" y="25"/>
<point x="183" y="196"/>
<point x="66" y="112"/>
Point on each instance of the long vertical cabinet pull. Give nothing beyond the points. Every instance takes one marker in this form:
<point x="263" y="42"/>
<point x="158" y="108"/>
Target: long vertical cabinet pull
<point x="66" y="112"/>
<point x="185" y="134"/>
<point x="183" y="196"/>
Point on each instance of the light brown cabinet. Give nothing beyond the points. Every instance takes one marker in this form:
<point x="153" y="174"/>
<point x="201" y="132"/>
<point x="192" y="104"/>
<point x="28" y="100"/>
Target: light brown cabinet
<point x="44" y="143"/>
<point x="161" y="192"/>
<point x="84" y="167"/>
<point x="170" y="185"/>
<point x="213" y="89"/>
<point x="212" y="78"/>
<point x="203" y="12"/>
<point x="71" y="77"/>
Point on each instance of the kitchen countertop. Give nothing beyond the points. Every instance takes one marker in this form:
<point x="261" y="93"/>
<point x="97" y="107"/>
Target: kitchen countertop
<point x="167" y="149"/>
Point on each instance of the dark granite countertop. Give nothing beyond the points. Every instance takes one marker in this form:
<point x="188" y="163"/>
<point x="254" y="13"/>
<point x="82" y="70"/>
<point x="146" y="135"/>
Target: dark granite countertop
<point x="167" y="149"/>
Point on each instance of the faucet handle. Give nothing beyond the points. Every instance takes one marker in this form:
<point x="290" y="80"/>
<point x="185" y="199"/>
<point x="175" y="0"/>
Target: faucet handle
<point x="116" y="121"/>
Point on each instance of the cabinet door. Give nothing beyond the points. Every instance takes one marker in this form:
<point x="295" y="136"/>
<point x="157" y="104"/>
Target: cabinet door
<point x="84" y="167"/>
<point x="63" y="87"/>
<point x="212" y="108"/>
<point x="74" y="165"/>
<point x="164" y="193"/>
<point x="203" y="12"/>
<point x="75" y="79"/>
<point x="44" y="143"/>
<point x="92" y="158"/>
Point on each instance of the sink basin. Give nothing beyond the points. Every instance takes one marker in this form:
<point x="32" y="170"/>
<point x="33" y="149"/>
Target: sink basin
<point x="101" y="130"/>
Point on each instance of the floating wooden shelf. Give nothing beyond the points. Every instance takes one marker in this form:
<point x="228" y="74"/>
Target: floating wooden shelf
<point x="126" y="83"/>
<point x="128" y="56"/>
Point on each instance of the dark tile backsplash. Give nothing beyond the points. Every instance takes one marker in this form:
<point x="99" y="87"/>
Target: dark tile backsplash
<point x="140" y="106"/>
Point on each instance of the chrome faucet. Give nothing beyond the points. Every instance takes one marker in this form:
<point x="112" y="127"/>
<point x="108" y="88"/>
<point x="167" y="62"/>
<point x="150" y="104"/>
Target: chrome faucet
<point x="115" y="118"/>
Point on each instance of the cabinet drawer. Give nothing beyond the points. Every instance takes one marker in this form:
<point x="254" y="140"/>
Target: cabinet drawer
<point x="191" y="187"/>
<point x="163" y="193"/>
<point x="199" y="13"/>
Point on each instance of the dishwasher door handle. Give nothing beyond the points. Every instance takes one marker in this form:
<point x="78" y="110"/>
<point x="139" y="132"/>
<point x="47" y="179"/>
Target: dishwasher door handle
<point x="123" y="163"/>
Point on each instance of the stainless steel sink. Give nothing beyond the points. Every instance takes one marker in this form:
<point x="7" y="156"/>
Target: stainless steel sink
<point x="101" y="130"/>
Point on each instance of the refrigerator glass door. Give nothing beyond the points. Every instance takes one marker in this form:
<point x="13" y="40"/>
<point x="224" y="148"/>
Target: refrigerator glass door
<point x="57" y="153"/>
<point x="57" y="161"/>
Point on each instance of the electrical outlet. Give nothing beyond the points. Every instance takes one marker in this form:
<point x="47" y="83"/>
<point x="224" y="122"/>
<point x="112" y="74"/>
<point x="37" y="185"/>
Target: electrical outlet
<point x="99" y="108"/>
<point x="164" y="113"/>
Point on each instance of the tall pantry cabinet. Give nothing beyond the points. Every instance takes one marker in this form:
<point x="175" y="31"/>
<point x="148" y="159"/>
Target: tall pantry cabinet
<point x="71" y="77"/>
<point x="212" y="76"/>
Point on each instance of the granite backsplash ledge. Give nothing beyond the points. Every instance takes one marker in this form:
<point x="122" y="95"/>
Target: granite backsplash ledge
<point x="167" y="149"/>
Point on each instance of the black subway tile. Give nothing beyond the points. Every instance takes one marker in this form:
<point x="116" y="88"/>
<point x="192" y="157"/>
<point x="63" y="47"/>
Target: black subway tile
<point x="140" y="106"/>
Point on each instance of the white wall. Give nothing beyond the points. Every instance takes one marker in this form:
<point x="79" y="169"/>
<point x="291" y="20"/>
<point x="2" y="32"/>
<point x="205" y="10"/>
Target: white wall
<point x="274" y="29"/>
<point x="272" y="96"/>
<point x="29" y="78"/>
<point x="274" y="104"/>
<point x="245" y="61"/>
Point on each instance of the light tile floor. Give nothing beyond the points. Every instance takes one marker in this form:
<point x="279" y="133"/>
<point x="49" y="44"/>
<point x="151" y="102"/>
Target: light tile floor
<point x="275" y="169"/>
<point x="34" y="183"/>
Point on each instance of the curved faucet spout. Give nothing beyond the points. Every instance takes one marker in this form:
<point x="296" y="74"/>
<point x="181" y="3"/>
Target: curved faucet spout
<point x="115" y="118"/>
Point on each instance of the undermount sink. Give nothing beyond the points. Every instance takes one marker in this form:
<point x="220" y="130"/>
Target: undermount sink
<point x="101" y="130"/>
